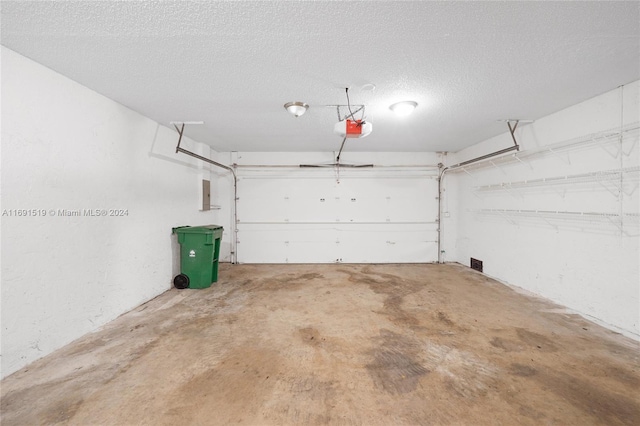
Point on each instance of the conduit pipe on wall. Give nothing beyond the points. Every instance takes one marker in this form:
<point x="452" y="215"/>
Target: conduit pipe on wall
<point x="444" y="170"/>
<point x="234" y="246"/>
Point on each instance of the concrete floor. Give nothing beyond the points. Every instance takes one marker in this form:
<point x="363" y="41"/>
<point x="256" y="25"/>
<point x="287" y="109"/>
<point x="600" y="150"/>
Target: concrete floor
<point x="337" y="344"/>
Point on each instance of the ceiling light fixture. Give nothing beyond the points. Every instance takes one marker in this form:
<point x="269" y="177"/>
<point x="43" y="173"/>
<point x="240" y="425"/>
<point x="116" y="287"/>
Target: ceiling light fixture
<point x="403" y="108"/>
<point x="296" y="108"/>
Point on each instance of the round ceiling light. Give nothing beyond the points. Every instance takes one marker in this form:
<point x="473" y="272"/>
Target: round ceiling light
<point x="403" y="108"/>
<point x="296" y="108"/>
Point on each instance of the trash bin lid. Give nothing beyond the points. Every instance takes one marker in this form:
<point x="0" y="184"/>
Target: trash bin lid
<point x="205" y="229"/>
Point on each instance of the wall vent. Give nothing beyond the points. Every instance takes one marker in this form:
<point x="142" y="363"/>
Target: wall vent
<point x="476" y="264"/>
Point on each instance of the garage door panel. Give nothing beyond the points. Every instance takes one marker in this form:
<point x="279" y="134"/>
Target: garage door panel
<point x="313" y="218"/>
<point x="389" y="243"/>
<point x="282" y="244"/>
<point x="348" y="243"/>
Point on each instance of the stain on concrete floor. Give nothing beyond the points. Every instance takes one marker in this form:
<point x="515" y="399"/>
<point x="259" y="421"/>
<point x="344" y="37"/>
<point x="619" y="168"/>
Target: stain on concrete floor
<point x="336" y="344"/>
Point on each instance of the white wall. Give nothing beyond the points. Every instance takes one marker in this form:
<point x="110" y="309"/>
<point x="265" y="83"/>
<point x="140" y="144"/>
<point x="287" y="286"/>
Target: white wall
<point x="65" y="147"/>
<point x="589" y="264"/>
<point x="387" y="213"/>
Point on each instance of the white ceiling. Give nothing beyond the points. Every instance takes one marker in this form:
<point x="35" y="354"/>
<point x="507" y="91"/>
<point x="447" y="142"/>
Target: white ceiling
<point x="234" y="64"/>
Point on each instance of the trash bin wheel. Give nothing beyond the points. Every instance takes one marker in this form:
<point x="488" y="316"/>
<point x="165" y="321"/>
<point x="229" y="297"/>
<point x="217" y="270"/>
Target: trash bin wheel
<point x="181" y="281"/>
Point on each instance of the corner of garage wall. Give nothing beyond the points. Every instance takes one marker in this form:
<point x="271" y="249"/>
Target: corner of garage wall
<point x="561" y="217"/>
<point x="90" y="193"/>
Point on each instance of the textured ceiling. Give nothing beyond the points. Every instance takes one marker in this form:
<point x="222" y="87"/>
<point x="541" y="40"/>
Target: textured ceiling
<point x="234" y="64"/>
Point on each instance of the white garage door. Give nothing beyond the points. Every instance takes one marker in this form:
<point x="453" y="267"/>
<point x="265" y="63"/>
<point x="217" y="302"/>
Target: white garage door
<point x="316" y="216"/>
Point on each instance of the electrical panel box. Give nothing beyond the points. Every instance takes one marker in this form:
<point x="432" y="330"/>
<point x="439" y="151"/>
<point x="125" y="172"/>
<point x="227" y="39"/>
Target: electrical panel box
<point x="206" y="195"/>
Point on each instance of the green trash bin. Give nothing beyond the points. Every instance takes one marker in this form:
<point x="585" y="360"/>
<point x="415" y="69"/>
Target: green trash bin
<point x="199" y="251"/>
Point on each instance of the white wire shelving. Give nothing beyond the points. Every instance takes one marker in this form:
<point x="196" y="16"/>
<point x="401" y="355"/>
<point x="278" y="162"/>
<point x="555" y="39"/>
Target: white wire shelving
<point x="617" y="180"/>
<point x="626" y="223"/>
<point x="626" y="137"/>
<point x="623" y="181"/>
